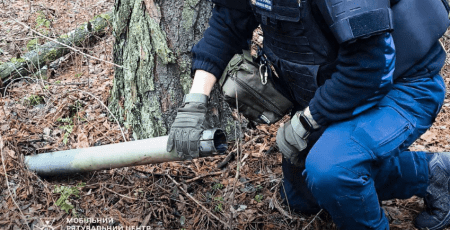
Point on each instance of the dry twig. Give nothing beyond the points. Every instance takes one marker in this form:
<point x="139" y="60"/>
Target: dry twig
<point x="119" y="194"/>
<point x="7" y="184"/>
<point x="321" y="210"/>
<point x="197" y="202"/>
<point x="201" y="176"/>
<point x="279" y="208"/>
<point x="238" y="163"/>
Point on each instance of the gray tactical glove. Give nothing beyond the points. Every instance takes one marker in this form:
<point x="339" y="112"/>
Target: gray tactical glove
<point x="188" y="126"/>
<point x="292" y="138"/>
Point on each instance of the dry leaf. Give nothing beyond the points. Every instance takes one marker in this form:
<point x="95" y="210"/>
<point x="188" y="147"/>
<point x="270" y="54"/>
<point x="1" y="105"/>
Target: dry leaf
<point x="4" y="127"/>
<point x="11" y="153"/>
<point x="429" y="136"/>
<point x="82" y="141"/>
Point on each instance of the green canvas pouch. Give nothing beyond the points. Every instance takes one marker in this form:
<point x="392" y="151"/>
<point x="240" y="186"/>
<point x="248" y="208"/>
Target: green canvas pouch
<point x="257" y="99"/>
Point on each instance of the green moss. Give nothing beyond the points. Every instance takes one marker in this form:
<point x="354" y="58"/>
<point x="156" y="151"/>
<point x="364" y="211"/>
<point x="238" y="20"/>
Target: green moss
<point x="229" y="127"/>
<point x="31" y="45"/>
<point x="42" y="21"/>
<point x="100" y="24"/>
<point x="105" y="16"/>
<point x="51" y="55"/>
<point x="188" y="14"/>
<point x="159" y="42"/>
<point x="17" y="60"/>
<point x="185" y="77"/>
<point x="150" y="125"/>
<point x="34" y="100"/>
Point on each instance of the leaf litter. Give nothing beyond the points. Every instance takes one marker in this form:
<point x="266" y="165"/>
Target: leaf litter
<point x="64" y="118"/>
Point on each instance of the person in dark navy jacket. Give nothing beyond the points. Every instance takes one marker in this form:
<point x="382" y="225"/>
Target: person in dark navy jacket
<point x="364" y="78"/>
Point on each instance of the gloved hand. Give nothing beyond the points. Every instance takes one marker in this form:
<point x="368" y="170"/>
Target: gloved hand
<point x="292" y="138"/>
<point x="188" y="126"/>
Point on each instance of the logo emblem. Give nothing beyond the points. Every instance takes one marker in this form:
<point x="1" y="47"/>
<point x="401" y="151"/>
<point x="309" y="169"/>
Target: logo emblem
<point x="46" y="224"/>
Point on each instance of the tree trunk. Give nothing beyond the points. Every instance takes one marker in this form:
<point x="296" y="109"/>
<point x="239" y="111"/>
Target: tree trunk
<point x="153" y="43"/>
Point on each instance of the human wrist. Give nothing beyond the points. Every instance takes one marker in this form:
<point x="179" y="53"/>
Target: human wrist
<point x="203" y="82"/>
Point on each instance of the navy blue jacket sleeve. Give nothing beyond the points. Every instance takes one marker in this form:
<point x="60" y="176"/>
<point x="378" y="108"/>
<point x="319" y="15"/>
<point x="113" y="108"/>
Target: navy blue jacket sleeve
<point x="227" y="35"/>
<point x="364" y="76"/>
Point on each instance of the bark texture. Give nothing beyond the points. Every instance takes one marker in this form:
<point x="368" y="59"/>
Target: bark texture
<point x="153" y="43"/>
<point x="50" y="51"/>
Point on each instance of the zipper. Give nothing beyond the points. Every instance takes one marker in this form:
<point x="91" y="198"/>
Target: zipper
<point x="396" y="134"/>
<point x="257" y="95"/>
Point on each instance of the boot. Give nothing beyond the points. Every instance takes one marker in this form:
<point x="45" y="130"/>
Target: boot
<point x="437" y="200"/>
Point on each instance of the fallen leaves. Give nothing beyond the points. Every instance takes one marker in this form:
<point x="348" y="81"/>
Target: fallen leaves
<point x="429" y="136"/>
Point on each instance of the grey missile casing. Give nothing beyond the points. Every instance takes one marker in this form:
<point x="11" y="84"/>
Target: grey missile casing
<point x="132" y="153"/>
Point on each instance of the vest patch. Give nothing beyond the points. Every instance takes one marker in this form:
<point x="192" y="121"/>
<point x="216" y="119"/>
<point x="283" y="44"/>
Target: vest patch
<point x="265" y="4"/>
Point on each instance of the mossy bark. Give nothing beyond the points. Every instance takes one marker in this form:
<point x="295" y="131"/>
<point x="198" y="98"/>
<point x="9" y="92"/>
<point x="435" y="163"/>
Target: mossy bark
<point x="51" y="51"/>
<point x="153" y="43"/>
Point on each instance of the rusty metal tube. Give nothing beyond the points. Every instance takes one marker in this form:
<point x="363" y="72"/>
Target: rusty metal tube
<point x="140" y="152"/>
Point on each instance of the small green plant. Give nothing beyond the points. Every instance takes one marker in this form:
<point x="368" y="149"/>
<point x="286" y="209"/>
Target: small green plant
<point x="219" y="204"/>
<point x="31" y="45"/>
<point x="217" y="186"/>
<point x="67" y="191"/>
<point x="34" y="100"/>
<point x="64" y="120"/>
<point x="75" y="108"/>
<point x="258" y="198"/>
<point x="78" y="75"/>
<point x="68" y="129"/>
<point x="218" y="207"/>
<point x="42" y="23"/>
<point x="58" y="82"/>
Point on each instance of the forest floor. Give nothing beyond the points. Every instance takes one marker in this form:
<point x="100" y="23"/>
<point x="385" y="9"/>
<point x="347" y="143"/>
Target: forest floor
<point x="67" y="111"/>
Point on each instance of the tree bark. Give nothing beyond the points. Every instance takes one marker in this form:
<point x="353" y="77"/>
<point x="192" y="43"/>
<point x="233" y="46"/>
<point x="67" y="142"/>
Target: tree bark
<point x="153" y="43"/>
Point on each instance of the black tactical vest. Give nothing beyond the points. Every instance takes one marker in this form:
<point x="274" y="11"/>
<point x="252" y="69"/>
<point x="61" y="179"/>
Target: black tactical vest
<point x="301" y="47"/>
<point x="298" y="44"/>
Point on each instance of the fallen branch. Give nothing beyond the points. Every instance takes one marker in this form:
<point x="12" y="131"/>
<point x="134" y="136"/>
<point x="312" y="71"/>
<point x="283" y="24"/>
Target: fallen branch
<point x="197" y="202"/>
<point x="313" y="219"/>
<point x="275" y="204"/>
<point x="119" y="194"/>
<point x="230" y="156"/>
<point x="238" y="163"/>
<point x="56" y="48"/>
<point x="201" y="176"/>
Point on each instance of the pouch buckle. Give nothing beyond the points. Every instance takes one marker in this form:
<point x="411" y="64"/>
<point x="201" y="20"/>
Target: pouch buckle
<point x="261" y="75"/>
